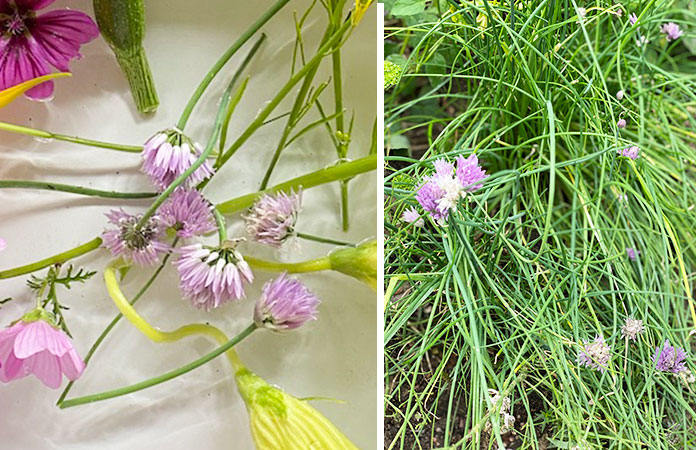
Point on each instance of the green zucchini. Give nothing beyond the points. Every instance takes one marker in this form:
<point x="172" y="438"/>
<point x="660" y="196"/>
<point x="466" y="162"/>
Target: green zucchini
<point x="122" y="24"/>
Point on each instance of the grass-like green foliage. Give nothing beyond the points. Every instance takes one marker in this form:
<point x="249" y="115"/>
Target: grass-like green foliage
<point x="535" y="262"/>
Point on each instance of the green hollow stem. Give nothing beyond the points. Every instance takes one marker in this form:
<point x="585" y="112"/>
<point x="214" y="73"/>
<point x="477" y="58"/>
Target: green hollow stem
<point x="314" y="265"/>
<point x="323" y="240"/>
<point x="284" y="91"/>
<point x="60" y="258"/>
<point x="222" y="227"/>
<point x="42" y="134"/>
<point x="25" y="184"/>
<point x="162" y="378"/>
<point x="117" y="319"/>
<point x="198" y="93"/>
<point x="313" y="179"/>
<point x="330" y="174"/>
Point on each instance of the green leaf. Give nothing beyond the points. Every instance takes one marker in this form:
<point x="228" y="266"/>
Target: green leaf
<point x="408" y="7"/>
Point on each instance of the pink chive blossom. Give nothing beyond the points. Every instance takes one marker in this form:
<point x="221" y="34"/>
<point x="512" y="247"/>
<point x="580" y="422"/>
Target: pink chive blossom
<point x="441" y="191"/>
<point x="621" y="123"/>
<point x="285" y="304"/>
<point x="271" y="220"/>
<point x="411" y="215"/>
<point x="632" y="152"/>
<point x="139" y="245"/>
<point x="168" y="154"/>
<point x="31" y="43"/>
<point x="188" y="212"/>
<point x="210" y="277"/>
<point x="595" y="354"/>
<point x="32" y="345"/>
<point x="632" y="18"/>
<point x="671" y="31"/>
<point x="669" y="359"/>
<point x="632" y="253"/>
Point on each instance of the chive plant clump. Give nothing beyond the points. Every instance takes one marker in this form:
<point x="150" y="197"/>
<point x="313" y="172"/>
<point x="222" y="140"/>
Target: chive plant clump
<point x="540" y="193"/>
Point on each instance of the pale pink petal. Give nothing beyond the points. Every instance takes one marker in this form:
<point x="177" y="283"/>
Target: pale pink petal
<point x="46" y="368"/>
<point x="72" y="365"/>
<point x="38" y="336"/>
<point x="12" y="369"/>
<point x="59" y="34"/>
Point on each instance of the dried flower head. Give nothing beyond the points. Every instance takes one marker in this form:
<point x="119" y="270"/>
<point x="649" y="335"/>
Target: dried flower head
<point x="595" y="354"/>
<point x="500" y="406"/>
<point x="669" y="358"/>
<point x="411" y="215"/>
<point x="188" y="212"/>
<point x="212" y="276"/>
<point x="632" y="328"/>
<point x="168" y="154"/>
<point x="632" y="152"/>
<point x="34" y="345"/>
<point x="285" y="304"/>
<point x="141" y="245"/>
<point x="671" y="31"/>
<point x="272" y="219"/>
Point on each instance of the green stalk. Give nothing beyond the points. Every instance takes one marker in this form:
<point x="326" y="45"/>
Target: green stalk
<point x="24" y="184"/>
<point x="60" y="258"/>
<point x="323" y="176"/>
<point x="116" y="319"/>
<point x="222" y="227"/>
<point x="42" y="134"/>
<point x="323" y="240"/>
<point x="330" y="174"/>
<point x="263" y="115"/>
<point x="122" y="24"/>
<point x="198" y="93"/>
<point x="162" y="378"/>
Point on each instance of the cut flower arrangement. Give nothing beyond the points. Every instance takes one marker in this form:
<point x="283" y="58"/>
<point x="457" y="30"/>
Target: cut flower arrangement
<point x="221" y="248"/>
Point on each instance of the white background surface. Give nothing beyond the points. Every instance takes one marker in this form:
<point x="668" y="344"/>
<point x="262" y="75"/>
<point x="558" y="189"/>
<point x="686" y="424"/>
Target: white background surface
<point x="334" y="357"/>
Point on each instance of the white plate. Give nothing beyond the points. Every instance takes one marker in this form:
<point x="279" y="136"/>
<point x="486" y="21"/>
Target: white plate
<point x="334" y="357"/>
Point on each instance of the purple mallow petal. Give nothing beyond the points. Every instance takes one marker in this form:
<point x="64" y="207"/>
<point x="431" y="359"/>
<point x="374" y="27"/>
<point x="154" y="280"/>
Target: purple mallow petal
<point x="60" y="34"/>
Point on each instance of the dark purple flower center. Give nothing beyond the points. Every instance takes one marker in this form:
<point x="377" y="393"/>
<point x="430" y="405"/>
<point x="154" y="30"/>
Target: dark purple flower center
<point x="13" y="21"/>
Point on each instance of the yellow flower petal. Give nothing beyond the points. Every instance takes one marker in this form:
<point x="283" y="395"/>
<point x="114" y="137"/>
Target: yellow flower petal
<point x="8" y="95"/>
<point x="359" y="11"/>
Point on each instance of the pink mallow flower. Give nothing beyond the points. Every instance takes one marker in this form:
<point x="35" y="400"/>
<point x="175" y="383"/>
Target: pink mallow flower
<point x="271" y="220"/>
<point x="168" y="154"/>
<point x="442" y="190"/>
<point x="35" y="345"/>
<point x="212" y="276"/>
<point x="672" y="31"/>
<point x="31" y="43"/>
<point x="285" y="304"/>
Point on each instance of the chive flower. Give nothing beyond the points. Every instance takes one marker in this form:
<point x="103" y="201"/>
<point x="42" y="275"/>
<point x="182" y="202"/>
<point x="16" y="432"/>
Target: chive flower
<point x="632" y="328"/>
<point x="632" y="253"/>
<point x="285" y="304"/>
<point x="632" y="18"/>
<point x="187" y="212"/>
<point x="620" y="95"/>
<point x="141" y="245"/>
<point x="35" y="345"/>
<point x="271" y="220"/>
<point x="441" y="191"/>
<point x="621" y="123"/>
<point x="632" y="152"/>
<point x="168" y="154"/>
<point x="671" y="31"/>
<point x="212" y="276"/>
<point x="669" y="359"/>
<point x="30" y="44"/>
<point x="411" y="215"/>
<point x="595" y="354"/>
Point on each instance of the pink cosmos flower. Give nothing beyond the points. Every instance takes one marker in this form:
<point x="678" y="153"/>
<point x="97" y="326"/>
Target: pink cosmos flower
<point x="30" y="44"/>
<point x="38" y="347"/>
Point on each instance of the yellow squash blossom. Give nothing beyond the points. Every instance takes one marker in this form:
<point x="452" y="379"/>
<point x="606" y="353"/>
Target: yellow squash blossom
<point x="9" y="94"/>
